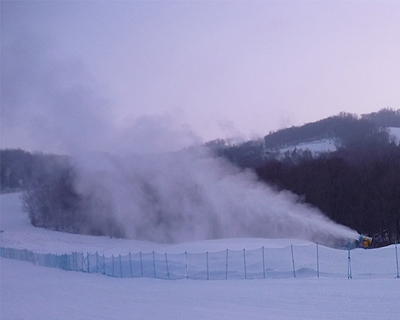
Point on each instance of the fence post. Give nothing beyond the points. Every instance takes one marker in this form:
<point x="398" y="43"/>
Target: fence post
<point x="244" y="260"/>
<point x="263" y="259"/>
<point x="166" y="262"/>
<point x="294" y="269"/>
<point x="97" y="262"/>
<point x="130" y="264"/>
<point x="141" y="265"/>
<point x="154" y="264"/>
<point x="208" y="277"/>
<point x="88" y="263"/>
<point x="104" y="264"/>
<point x="120" y="265"/>
<point x="226" y="264"/>
<point x="397" y="258"/>
<point x="186" y="265"/>
<point x="113" y="267"/>
<point x="349" y="274"/>
<point x="317" y="262"/>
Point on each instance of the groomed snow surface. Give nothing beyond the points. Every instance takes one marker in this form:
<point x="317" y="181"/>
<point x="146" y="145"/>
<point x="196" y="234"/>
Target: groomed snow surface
<point x="28" y="291"/>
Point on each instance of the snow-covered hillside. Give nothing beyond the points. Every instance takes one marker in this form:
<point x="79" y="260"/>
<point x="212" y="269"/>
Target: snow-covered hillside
<point x="327" y="145"/>
<point x="28" y="291"/>
<point x="317" y="146"/>
<point x="395" y="133"/>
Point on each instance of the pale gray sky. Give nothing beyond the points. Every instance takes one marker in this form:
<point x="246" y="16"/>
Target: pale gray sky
<point x="160" y="75"/>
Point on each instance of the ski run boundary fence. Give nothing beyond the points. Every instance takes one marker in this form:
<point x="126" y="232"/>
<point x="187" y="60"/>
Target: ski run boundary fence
<point x="293" y="261"/>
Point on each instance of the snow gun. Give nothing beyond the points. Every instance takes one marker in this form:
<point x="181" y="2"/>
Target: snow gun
<point x="365" y="241"/>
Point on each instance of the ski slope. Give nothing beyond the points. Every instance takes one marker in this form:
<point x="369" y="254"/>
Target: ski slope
<point x="28" y="291"/>
<point x="329" y="145"/>
<point x="317" y="146"/>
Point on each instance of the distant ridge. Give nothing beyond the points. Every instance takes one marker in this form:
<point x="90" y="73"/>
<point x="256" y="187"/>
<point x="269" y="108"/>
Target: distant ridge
<point x="344" y="128"/>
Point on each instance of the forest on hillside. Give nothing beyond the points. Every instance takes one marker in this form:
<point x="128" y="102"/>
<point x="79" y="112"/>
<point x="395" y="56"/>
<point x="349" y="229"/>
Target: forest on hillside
<point x="358" y="185"/>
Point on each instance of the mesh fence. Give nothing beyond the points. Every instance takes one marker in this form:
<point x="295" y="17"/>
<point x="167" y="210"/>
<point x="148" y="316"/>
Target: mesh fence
<point x="292" y="261"/>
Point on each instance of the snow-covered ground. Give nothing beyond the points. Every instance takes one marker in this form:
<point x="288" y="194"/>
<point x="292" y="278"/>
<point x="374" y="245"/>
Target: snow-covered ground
<point x="328" y="145"/>
<point x="28" y="291"/>
<point x="323" y="145"/>
<point x="395" y="133"/>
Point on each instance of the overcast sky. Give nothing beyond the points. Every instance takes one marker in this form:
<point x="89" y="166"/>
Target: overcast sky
<point x="158" y="75"/>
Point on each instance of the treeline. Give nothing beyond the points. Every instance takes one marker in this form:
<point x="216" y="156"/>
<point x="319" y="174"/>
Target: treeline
<point x="49" y="195"/>
<point x="19" y="168"/>
<point x="384" y="118"/>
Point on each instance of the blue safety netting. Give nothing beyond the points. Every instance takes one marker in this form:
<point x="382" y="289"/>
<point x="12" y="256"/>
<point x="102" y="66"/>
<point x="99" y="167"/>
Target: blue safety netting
<point x="293" y="261"/>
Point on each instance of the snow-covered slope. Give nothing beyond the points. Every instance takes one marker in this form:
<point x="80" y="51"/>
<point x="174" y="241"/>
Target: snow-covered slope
<point x="395" y="133"/>
<point x="327" y="145"/>
<point x="31" y="292"/>
<point x="28" y="291"/>
<point x="323" y="145"/>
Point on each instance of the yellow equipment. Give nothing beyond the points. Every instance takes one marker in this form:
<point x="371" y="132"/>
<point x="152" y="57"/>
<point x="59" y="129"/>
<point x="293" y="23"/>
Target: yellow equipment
<point x="365" y="241"/>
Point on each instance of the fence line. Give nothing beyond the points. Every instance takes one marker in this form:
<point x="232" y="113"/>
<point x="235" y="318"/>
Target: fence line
<point x="228" y="264"/>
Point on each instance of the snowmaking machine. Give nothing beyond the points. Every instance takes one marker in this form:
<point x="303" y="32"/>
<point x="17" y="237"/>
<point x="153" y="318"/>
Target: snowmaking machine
<point x="364" y="241"/>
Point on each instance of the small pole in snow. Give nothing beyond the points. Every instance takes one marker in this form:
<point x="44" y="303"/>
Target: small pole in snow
<point x="113" y="267"/>
<point x="88" y="262"/>
<point x="130" y="264"/>
<point x="166" y="262"/>
<point x="263" y="258"/>
<point x="97" y="262"/>
<point x="154" y="264"/>
<point x="397" y="258"/>
<point x="349" y="275"/>
<point x="186" y="265"/>
<point x="104" y="264"/>
<point x="245" y="267"/>
<point x="120" y="265"/>
<point x="317" y="262"/>
<point x="208" y="276"/>
<point x="141" y="265"/>
<point x="226" y="276"/>
<point x="294" y="269"/>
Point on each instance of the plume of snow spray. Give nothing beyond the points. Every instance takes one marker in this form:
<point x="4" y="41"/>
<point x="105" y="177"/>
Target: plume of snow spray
<point x="192" y="195"/>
